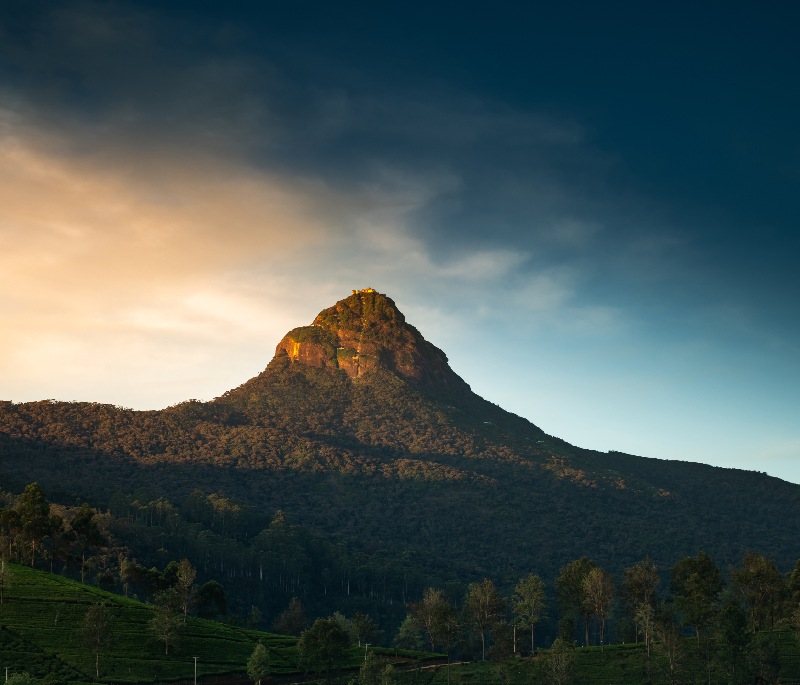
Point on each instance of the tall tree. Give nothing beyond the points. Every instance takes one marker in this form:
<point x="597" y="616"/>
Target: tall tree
<point x="322" y="647"/>
<point x="87" y="533"/>
<point x="34" y="513"/>
<point x="96" y="632"/>
<point x="558" y="662"/>
<point x="409" y="634"/>
<point x="570" y="591"/>
<point x="292" y="620"/>
<point x="670" y="644"/>
<point x="762" y="586"/>
<point x="528" y="603"/>
<point x="10" y="529"/>
<point x="364" y="628"/>
<point x="211" y="600"/>
<point x="370" y="671"/>
<point x="731" y="638"/>
<point x="5" y="579"/>
<point x="696" y="584"/>
<point x="258" y="666"/>
<point x="166" y="623"/>
<point x="429" y="614"/>
<point x="484" y="607"/>
<point x="598" y="590"/>
<point x="185" y="587"/>
<point x="792" y="583"/>
<point x="645" y="619"/>
<point x="638" y="590"/>
<point x="374" y="671"/>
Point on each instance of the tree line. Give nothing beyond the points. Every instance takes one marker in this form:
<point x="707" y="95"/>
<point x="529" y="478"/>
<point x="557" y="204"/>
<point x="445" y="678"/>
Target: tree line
<point x="724" y="609"/>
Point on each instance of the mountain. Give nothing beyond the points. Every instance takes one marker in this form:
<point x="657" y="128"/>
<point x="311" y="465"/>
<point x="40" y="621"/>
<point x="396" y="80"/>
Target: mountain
<point x="369" y="444"/>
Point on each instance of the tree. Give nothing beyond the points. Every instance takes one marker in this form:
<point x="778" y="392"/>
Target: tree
<point x="669" y="644"/>
<point x="638" y="591"/>
<point x="528" y="603"/>
<point x="763" y="658"/>
<point x="167" y="624"/>
<point x="364" y="628"/>
<point x="127" y="570"/>
<point x="87" y="533"/>
<point x="96" y="632"/>
<point x="696" y="584"/>
<point x="558" y="662"/>
<point x="254" y="616"/>
<point x="732" y="638"/>
<point x="761" y="585"/>
<point x="792" y="583"/>
<point x="5" y="579"/>
<point x="598" y="590"/>
<point x="292" y="620"/>
<point x="448" y="628"/>
<point x="569" y="589"/>
<point x="345" y="624"/>
<point x="322" y="647"/>
<point x="10" y="529"/>
<point x="374" y="672"/>
<point x="645" y="619"/>
<point x="430" y="613"/>
<point x="34" y="513"/>
<point x="258" y="666"/>
<point x="503" y="641"/>
<point x="409" y="634"/>
<point x="371" y="670"/>
<point x="484" y="607"/>
<point x="185" y="587"/>
<point x="211" y="600"/>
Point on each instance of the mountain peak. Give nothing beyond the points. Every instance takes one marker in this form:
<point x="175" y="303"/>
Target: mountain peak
<point x="364" y="333"/>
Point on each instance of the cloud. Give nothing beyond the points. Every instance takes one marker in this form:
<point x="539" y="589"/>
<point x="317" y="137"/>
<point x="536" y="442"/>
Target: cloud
<point x="164" y="195"/>
<point x="137" y="215"/>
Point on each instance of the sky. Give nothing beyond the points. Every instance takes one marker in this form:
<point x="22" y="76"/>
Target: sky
<point x="590" y="207"/>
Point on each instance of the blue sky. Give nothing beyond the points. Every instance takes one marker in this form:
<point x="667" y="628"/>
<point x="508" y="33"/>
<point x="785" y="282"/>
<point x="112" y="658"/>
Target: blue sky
<point x="592" y="208"/>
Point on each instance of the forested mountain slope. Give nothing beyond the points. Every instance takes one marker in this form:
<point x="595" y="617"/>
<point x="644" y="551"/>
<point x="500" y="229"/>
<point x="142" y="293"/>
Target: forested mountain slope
<point x="360" y="432"/>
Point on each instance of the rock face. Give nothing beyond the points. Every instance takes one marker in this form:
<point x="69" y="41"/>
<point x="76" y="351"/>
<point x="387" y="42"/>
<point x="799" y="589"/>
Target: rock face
<point x="366" y="332"/>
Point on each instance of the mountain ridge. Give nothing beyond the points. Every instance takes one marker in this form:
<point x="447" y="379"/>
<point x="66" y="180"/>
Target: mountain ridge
<point x="399" y="459"/>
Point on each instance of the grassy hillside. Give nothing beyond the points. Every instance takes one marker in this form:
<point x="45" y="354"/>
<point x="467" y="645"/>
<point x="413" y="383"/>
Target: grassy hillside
<point x="41" y="619"/>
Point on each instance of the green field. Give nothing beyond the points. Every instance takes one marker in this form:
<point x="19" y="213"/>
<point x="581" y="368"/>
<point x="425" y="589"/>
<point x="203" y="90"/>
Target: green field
<point x="42" y="615"/>
<point x="40" y="633"/>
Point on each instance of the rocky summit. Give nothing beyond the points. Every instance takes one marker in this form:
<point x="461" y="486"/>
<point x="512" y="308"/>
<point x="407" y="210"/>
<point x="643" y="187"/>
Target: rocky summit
<point x="366" y="332"/>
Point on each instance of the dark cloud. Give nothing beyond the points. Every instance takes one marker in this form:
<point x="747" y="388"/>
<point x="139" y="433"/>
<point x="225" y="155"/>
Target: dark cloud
<point x="624" y="170"/>
<point x="521" y="121"/>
